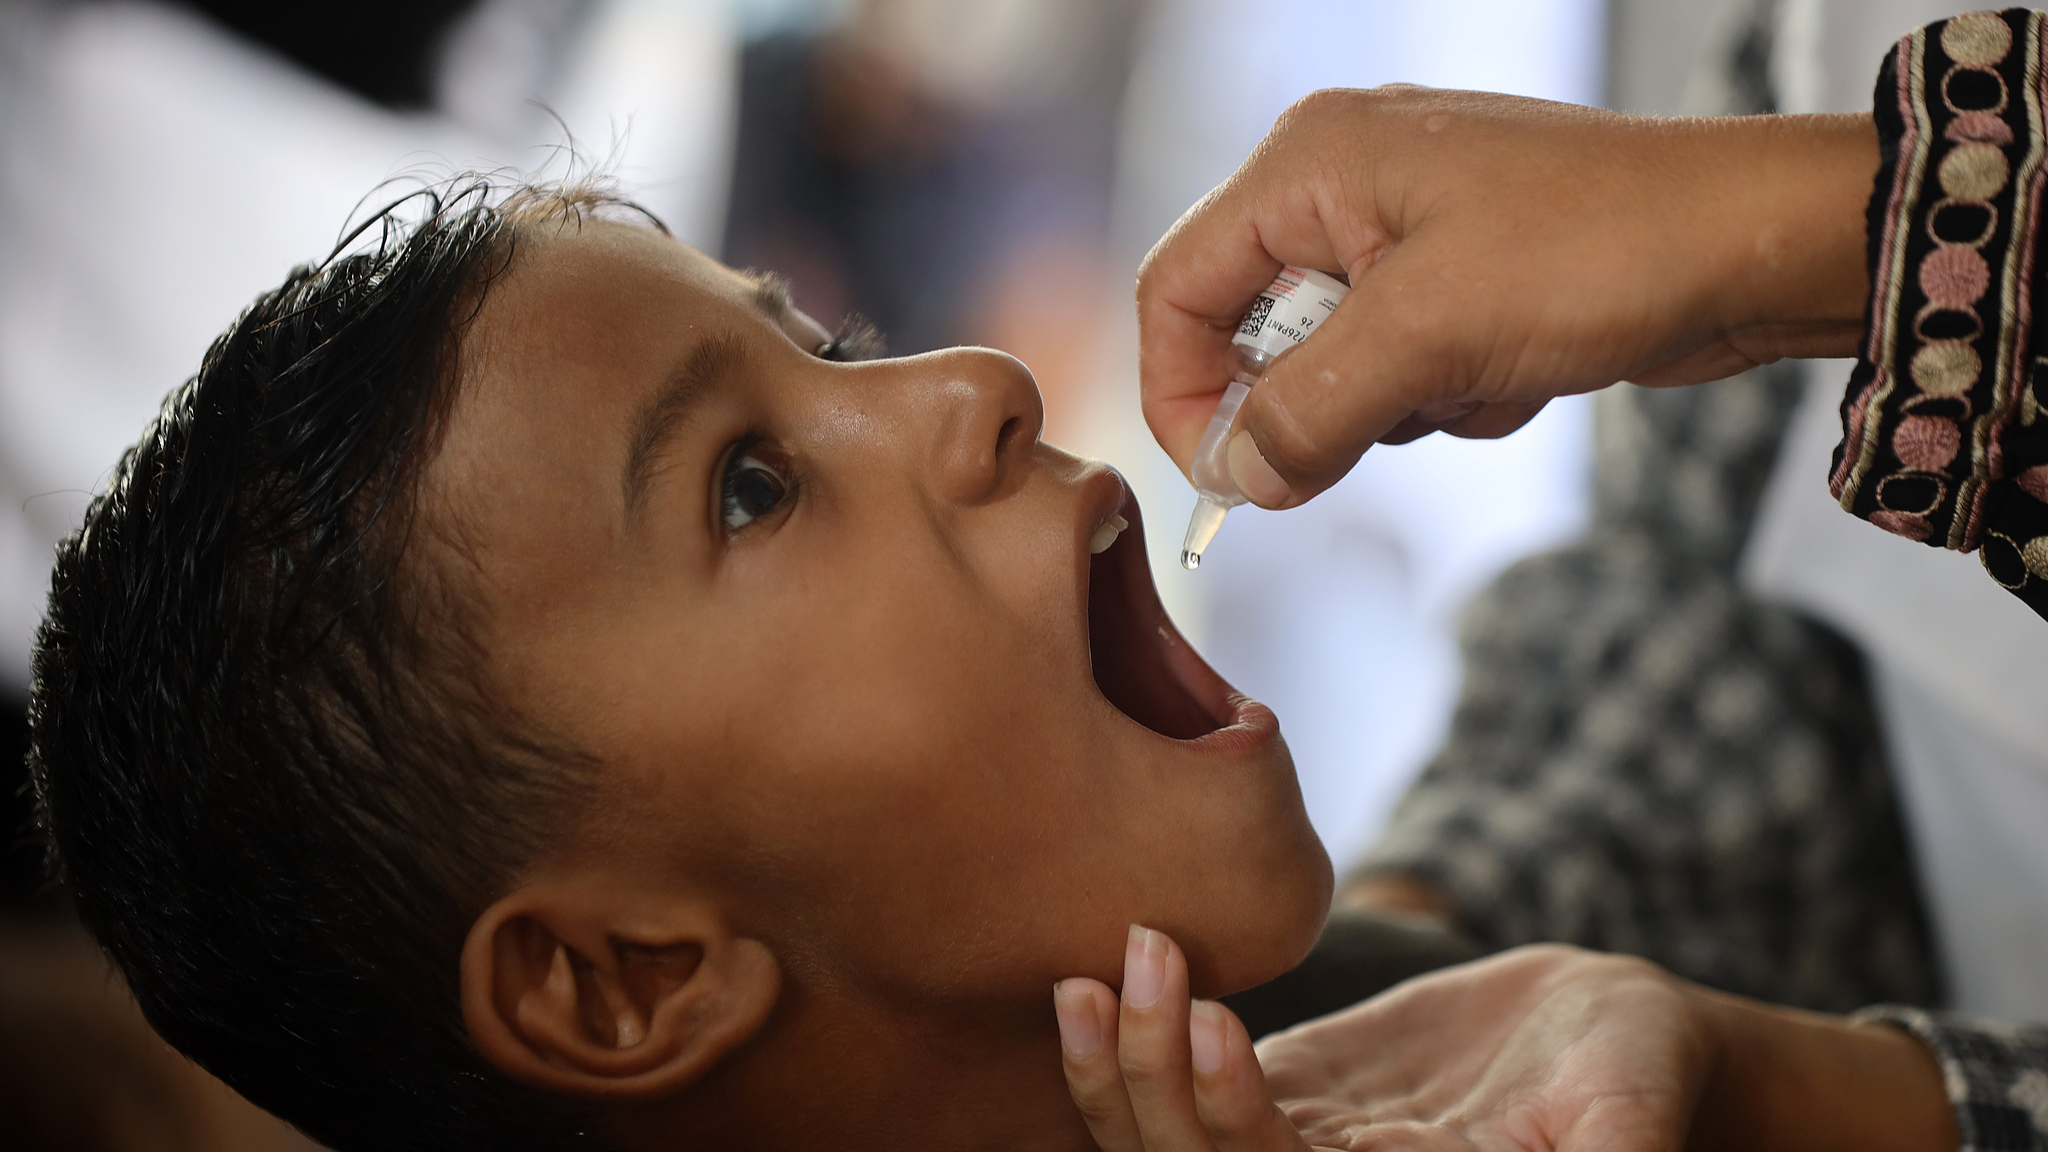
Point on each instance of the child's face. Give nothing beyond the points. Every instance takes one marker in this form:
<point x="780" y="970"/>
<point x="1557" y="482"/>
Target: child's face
<point x="827" y="627"/>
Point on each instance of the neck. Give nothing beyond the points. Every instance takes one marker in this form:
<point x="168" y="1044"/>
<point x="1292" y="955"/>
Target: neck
<point x="983" y="1077"/>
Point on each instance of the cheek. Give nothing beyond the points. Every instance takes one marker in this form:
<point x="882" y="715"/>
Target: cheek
<point x="919" y="705"/>
<point x="927" y="781"/>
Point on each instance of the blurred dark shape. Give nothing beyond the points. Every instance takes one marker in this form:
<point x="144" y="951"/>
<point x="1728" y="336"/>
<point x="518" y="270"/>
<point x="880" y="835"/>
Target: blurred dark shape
<point x="880" y="182"/>
<point x="81" y="1071"/>
<point x="21" y="855"/>
<point x="383" y="50"/>
<point x="1360" y="954"/>
<point x="1645" y="758"/>
<point x="855" y="185"/>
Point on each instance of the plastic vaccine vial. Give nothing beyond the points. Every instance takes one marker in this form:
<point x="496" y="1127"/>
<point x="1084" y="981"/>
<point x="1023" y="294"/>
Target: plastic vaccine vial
<point x="1283" y="315"/>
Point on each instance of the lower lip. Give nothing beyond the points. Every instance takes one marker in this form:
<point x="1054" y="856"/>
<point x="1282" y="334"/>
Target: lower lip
<point x="1252" y="728"/>
<point x="1247" y="724"/>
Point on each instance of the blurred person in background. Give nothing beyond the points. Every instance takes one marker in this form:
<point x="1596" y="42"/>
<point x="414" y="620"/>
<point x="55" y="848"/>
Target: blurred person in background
<point x="945" y="171"/>
<point x="1649" y="754"/>
<point x="1708" y="735"/>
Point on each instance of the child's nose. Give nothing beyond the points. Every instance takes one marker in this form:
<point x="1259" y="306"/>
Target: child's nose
<point x="983" y="414"/>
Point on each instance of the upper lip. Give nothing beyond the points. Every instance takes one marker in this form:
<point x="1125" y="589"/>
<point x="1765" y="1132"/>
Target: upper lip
<point x="1141" y="663"/>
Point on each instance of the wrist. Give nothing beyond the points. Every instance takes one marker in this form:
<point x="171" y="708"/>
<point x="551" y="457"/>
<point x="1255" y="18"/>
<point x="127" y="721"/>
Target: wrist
<point x="1789" y="195"/>
<point x="1780" y="1078"/>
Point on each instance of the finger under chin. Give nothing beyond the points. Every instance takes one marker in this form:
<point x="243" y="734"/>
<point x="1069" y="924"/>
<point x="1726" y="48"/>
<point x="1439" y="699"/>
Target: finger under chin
<point x="1231" y="1096"/>
<point x="1087" y="1012"/>
<point x="1152" y="1044"/>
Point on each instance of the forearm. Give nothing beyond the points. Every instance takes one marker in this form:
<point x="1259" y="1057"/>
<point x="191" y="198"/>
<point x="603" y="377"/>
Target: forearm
<point x="1803" y="1082"/>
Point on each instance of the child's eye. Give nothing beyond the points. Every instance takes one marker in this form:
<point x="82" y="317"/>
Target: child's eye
<point x="755" y="484"/>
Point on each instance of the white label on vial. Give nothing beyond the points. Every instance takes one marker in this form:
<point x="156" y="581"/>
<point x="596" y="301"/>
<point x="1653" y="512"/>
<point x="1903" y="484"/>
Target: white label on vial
<point x="1288" y="310"/>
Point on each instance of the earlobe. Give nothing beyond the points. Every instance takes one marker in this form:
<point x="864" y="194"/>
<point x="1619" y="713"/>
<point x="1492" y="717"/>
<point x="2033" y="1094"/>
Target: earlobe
<point x="589" y="991"/>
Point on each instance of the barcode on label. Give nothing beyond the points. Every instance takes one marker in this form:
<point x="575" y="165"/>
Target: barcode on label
<point x="1256" y="317"/>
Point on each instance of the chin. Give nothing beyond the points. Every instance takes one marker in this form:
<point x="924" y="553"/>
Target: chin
<point x="1274" y="931"/>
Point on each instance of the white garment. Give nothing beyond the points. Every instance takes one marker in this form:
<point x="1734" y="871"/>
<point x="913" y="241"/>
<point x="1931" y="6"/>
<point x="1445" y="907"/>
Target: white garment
<point x="1975" y="801"/>
<point x="1954" y="658"/>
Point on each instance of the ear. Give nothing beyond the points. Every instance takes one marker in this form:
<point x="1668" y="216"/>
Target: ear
<point x="583" y="986"/>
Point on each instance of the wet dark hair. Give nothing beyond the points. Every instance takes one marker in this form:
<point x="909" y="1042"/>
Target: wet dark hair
<point x="268" y="759"/>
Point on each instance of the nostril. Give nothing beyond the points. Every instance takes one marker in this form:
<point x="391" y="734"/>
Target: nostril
<point x="1007" y="433"/>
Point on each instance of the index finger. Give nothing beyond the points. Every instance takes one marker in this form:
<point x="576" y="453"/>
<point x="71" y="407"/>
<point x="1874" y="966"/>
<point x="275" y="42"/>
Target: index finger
<point x="1287" y="204"/>
<point x="1193" y="287"/>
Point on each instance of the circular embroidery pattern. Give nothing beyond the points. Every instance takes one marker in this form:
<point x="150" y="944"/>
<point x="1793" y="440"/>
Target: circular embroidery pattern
<point x="1911" y="494"/>
<point x="1955" y="278"/>
<point x="2035" y="555"/>
<point x="1977" y="40"/>
<point x="1974" y="172"/>
<point x="2003" y="559"/>
<point x="1927" y="444"/>
<point x="1974" y="90"/>
<point x="1956" y="222"/>
<point x="1946" y="369"/>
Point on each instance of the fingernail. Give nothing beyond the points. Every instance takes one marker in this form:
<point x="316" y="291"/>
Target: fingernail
<point x="1205" y="1035"/>
<point x="1080" y="1029"/>
<point x="1144" y="967"/>
<point x="1253" y="476"/>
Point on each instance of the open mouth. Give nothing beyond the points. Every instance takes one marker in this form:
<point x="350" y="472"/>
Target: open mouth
<point x="1142" y="665"/>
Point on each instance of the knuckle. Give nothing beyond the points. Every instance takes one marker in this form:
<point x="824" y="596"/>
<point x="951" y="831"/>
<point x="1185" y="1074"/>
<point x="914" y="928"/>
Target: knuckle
<point x="1099" y="1111"/>
<point x="1141" y="1068"/>
<point x="1104" y="1104"/>
<point x="1321" y="105"/>
<point x="1291" y="446"/>
<point x="1147" y="284"/>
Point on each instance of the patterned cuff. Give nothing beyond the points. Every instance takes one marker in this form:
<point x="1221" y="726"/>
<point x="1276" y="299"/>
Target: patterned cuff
<point x="1944" y="436"/>
<point x="1996" y="1075"/>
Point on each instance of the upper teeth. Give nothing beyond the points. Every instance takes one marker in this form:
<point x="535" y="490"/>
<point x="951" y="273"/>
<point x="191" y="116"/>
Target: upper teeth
<point x="1106" y="534"/>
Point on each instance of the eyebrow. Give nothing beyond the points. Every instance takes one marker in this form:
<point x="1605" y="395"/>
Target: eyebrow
<point x="772" y="295"/>
<point x="655" y="422"/>
<point x="658" y="420"/>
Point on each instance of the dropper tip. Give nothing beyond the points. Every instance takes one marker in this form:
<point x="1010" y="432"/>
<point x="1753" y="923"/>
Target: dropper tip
<point x="1202" y="526"/>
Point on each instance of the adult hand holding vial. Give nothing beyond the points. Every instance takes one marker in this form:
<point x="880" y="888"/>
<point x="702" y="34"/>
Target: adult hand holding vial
<point x="1500" y="251"/>
<point x="1280" y="317"/>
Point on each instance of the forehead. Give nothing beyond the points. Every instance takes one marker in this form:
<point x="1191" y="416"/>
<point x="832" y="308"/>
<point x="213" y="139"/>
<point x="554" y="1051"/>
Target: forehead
<point x="583" y="273"/>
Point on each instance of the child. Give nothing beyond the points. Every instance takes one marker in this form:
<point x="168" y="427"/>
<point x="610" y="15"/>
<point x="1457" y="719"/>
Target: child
<point x="535" y="688"/>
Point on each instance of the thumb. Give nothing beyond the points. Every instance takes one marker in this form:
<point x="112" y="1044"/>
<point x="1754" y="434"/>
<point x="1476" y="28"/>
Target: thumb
<point x="1379" y="358"/>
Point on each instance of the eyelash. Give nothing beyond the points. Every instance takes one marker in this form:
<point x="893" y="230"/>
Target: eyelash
<point x="734" y="472"/>
<point x="855" y="340"/>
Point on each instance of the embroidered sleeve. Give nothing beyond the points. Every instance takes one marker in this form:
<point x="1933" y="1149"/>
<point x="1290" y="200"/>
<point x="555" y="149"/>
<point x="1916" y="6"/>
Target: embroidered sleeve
<point x="1944" y="436"/>
<point x="1996" y="1075"/>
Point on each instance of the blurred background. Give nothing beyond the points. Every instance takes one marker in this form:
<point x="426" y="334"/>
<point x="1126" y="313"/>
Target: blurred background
<point x="987" y="172"/>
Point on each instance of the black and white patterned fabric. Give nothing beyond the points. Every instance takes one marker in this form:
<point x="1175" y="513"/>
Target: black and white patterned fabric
<point x="1644" y="759"/>
<point x="1996" y="1075"/>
